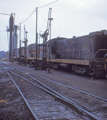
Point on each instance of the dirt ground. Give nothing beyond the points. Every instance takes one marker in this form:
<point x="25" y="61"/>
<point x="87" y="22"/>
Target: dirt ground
<point x="96" y="86"/>
<point x="12" y="106"/>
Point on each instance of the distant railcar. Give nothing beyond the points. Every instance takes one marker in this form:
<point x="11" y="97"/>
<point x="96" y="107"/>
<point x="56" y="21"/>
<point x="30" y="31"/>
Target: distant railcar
<point x="32" y="50"/>
<point x="19" y="54"/>
<point x="41" y="55"/>
<point x="85" y="54"/>
<point x="22" y="51"/>
<point x="16" y="54"/>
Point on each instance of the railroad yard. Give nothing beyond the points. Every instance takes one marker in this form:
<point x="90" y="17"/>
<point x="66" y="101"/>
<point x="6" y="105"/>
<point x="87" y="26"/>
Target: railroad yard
<point x="55" y="66"/>
<point x="58" y="95"/>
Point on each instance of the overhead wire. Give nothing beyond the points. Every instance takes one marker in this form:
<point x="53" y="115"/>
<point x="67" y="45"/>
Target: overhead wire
<point x="35" y="10"/>
<point x="39" y="12"/>
<point x="42" y="16"/>
<point x="27" y="17"/>
<point x="44" y="20"/>
<point x="48" y="4"/>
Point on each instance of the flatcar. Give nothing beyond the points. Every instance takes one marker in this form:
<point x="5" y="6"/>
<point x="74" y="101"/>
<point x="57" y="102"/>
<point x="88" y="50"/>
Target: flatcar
<point x="86" y="54"/>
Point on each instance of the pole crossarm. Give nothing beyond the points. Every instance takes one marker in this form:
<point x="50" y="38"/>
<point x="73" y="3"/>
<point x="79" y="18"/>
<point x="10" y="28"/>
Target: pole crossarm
<point x="4" y="14"/>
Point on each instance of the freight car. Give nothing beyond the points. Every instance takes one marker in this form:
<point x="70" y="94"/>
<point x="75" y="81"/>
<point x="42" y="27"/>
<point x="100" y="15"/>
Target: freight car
<point x="41" y="55"/>
<point x="86" y="54"/>
<point x="19" y="54"/>
<point x="31" y="53"/>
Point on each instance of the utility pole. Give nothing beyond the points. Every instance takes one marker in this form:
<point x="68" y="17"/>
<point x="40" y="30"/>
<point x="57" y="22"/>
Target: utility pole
<point x="14" y="40"/>
<point x="11" y="24"/>
<point x="10" y="29"/>
<point x="26" y="47"/>
<point x="50" y="19"/>
<point x="36" y="37"/>
<point x="45" y="35"/>
<point x="25" y="42"/>
<point x="20" y="45"/>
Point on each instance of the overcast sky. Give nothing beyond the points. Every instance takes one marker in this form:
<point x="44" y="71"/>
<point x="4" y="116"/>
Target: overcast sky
<point x="70" y="18"/>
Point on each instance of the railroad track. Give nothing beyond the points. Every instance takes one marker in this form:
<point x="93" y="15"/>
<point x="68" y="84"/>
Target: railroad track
<point x="30" y="109"/>
<point x="81" y="110"/>
<point x="70" y="87"/>
<point x="59" y="105"/>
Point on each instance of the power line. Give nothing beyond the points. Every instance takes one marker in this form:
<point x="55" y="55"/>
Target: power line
<point x="28" y="17"/>
<point x="48" y="4"/>
<point x="35" y="10"/>
<point x="41" y="15"/>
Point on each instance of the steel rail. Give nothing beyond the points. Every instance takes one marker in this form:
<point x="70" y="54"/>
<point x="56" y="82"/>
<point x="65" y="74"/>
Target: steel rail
<point x="103" y="99"/>
<point x="35" y="117"/>
<point x="61" y="97"/>
<point x="70" y="87"/>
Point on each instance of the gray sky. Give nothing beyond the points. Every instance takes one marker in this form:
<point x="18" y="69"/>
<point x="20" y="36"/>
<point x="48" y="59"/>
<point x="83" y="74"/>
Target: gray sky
<point x="70" y="18"/>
